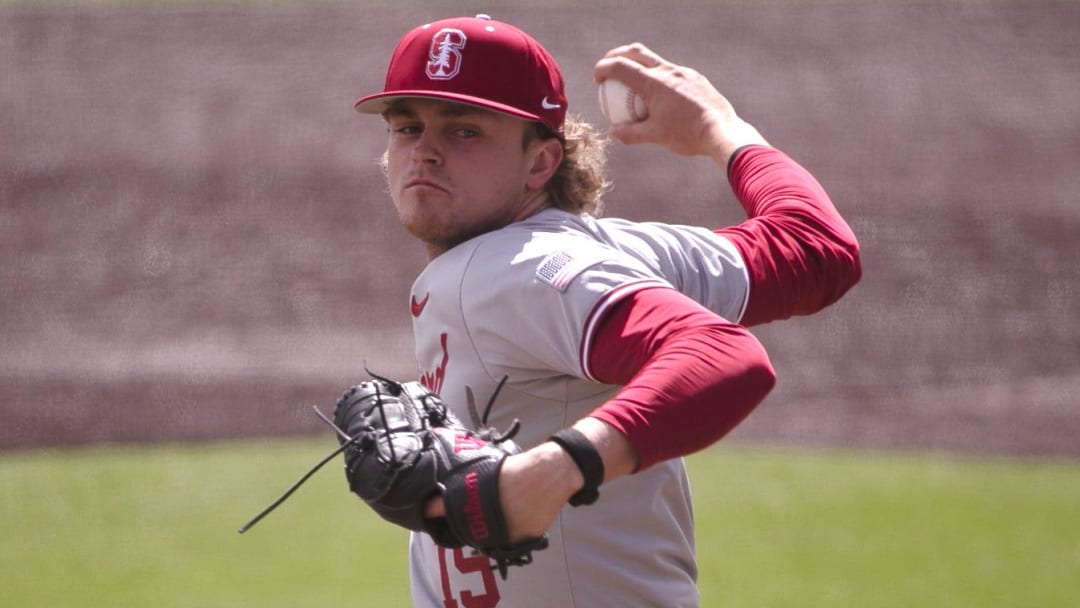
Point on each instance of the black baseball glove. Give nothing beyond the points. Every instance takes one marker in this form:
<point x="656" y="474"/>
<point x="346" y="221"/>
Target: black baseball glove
<point x="403" y="446"/>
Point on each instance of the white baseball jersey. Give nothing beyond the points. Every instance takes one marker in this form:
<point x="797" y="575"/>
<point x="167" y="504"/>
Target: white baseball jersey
<point x="522" y="302"/>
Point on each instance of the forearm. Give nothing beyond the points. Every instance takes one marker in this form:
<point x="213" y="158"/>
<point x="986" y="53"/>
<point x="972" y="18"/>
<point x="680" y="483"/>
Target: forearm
<point x="691" y="395"/>
<point x="536" y="484"/>
<point x="724" y="133"/>
<point x="688" y="377"/>
<point x="618" y="454"/>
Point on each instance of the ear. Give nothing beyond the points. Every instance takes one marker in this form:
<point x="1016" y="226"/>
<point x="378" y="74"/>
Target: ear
<point x="546" y="156"/>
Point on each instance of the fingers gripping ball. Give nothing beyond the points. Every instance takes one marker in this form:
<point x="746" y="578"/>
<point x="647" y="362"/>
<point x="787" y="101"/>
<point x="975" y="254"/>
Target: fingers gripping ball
<point x="405" y="446"/>
<point x="620" y="104"/>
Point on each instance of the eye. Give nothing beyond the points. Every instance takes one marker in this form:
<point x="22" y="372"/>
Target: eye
<point x="406" y="129"/>
<point x="467" y="132"/>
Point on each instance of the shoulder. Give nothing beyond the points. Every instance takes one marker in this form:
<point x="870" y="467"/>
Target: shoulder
<point x="547" y="257"/>
<point x="527" y="243"/>
<point x="660" y="236"/>
<point x="553" y="248"/>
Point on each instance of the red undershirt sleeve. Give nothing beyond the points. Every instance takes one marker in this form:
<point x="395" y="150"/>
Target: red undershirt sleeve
<point x="689" y="376"/>
<point x="799" y="252"/>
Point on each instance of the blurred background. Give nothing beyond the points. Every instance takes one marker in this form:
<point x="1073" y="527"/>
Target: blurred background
<point x="196" y="241"/>
<point x="198" y="246"/>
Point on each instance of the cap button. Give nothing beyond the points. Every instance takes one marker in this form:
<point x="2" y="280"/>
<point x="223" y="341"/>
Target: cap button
<point x="484" y="17"/>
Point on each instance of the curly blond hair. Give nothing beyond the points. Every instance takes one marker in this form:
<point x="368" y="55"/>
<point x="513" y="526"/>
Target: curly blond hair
<point x="580" y="182"/>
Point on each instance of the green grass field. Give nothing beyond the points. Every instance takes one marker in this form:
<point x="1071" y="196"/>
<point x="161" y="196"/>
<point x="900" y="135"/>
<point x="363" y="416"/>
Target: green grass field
<point x="157" y="526"/>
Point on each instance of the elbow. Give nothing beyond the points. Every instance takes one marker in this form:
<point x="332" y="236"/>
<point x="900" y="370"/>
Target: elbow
<point x="853" y="259"/>
<point x="760" y="378"/>
<point x="849" y="264"/>
<point x="746" y="391"/>
<point x="843" y="267"/>
<point x="756" y="377"/>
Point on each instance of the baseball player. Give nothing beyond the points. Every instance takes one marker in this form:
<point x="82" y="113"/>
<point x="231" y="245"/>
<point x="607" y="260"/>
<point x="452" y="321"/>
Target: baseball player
<point x="619" y="347"/>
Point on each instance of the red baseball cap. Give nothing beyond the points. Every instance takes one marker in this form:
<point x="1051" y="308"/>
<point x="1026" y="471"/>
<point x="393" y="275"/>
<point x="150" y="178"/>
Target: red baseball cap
<point x="478" y="61"/>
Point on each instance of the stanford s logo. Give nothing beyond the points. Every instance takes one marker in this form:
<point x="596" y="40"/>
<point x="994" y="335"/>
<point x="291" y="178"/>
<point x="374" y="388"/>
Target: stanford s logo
<point x="445" y="53"/>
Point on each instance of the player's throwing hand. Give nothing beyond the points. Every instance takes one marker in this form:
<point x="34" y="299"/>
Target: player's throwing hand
<point x="686" y="113"/>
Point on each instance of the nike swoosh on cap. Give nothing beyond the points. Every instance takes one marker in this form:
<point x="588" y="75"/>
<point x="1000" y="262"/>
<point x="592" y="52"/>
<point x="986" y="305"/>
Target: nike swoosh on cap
<point x="547" y="105"/>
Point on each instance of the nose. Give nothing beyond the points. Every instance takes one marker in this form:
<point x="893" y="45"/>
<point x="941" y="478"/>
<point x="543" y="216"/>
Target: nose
<point x="426" y="149"/>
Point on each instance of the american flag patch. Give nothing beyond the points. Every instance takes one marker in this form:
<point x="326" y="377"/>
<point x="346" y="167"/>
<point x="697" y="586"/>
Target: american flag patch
<point x="559" y="269"/>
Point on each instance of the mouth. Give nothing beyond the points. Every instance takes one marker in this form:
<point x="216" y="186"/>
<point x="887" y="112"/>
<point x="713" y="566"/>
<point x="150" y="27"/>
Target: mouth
<point x="423" y="184"/>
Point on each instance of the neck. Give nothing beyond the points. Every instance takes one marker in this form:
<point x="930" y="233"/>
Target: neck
<point x="532" y="202"/>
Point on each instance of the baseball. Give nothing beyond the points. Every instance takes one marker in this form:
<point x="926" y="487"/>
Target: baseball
<point x="620" y="103"/>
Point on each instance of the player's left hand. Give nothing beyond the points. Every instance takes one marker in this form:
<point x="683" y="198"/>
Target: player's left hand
<point x="536" y="484"/>
<point x="403" y="446"/>
<point x="533" y="487"/>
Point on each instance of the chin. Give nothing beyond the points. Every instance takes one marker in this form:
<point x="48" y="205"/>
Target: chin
<point x="425" y="231"/>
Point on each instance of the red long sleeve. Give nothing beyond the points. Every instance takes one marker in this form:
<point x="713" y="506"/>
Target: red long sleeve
<point x="689" y="376"/>
<point x="800" y="253"/>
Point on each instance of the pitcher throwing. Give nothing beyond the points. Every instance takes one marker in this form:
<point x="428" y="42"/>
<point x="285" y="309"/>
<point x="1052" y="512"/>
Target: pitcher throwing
<point x="619" y="347"/>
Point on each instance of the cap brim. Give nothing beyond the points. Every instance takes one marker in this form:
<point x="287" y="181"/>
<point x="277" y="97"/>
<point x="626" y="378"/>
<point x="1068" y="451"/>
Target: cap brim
<point x="380" y="102"/>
